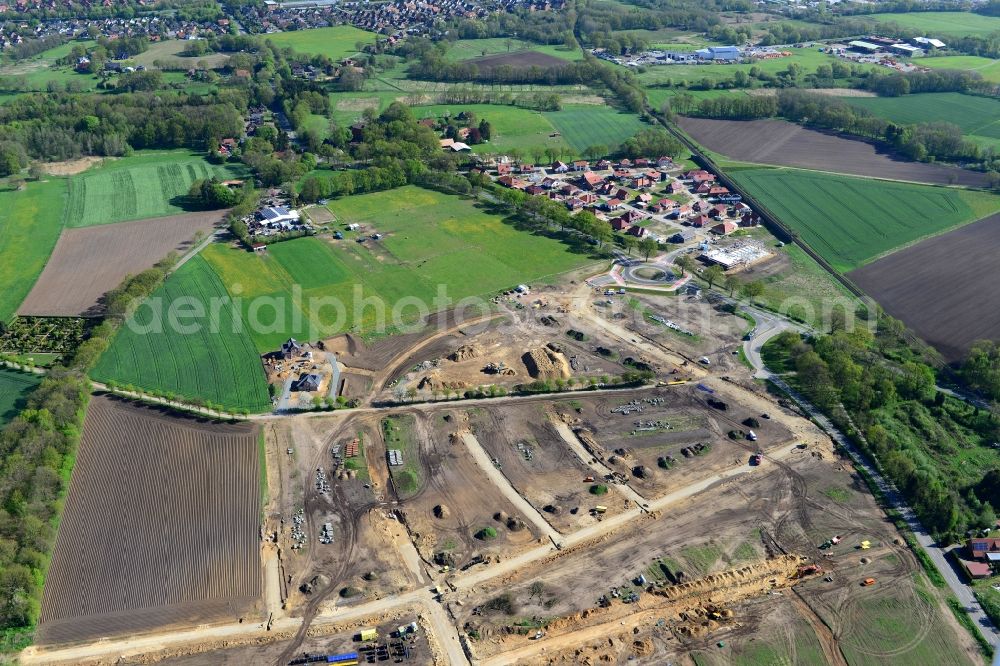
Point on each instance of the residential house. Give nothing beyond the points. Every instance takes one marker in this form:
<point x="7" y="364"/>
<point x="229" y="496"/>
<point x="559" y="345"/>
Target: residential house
<point x="644" y="199"/>
<point x="574" y="203"/>
<point x="699" y="221"/>
<point x="702" y="188"/>
<point x="677" y="187"/>
<point x="308" y="383"/>
<point x="720" y="211"/>
<point x="612" y="204"/>
<point x="637" y="231"/>
<point x="559" y="167"/>
<point x="682" y="210"/>
<point x="590" y="180"/>
<point x="642" y="182"/>
<point x="725" y="228"/>
<point x="618" y="224"/>
<point x="603" y="165"/>
<point x="718" y="190"/>
<point x="503" y="168"/>
<point x="581" y="165"/>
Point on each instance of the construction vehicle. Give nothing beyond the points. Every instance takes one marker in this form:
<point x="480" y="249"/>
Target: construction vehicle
<point x="867" y="582"/>
<point x="589" y="479"/>
<point x="756" y="459"/>
<point x="600" y="509"/>
<point x="808" y="570"/>
<point x="865" y="545"/>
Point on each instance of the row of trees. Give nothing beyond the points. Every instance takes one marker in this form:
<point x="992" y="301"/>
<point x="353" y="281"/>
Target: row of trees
<point x="882" y="394"/>
<point x="921" y="141"/>
<point x="35" y="451"/>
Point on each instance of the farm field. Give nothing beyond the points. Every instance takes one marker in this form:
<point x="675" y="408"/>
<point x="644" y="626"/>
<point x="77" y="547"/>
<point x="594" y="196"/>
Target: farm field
<point x="512" y="127"/>
<point x="39" y="70"/>
<point x="32" y="222"/>
<point x="978" y="117"/>
<point x="787" y="144"/>
<point x="168" y="52"/>
<point x="851" y="221"/>
<point x="930" y="287"/>
<point x="583" y="126"/>
<point x="221" y="367"/>
<point x="936" y="24"/>
<point x="147" y="184"/>
<point x="89" y="262"/>
<point x="337" y="42"/>
<point x="15" y="387"/>
<point x="430" y="239"/>
<point x="988" y="68"/>
<point x="464" y="49"/>
<point x="160" y="526"/>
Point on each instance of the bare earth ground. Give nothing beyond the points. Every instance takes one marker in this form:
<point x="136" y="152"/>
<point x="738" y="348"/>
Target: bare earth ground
<point x="787" y="144"/>
<point x="89" y="262"/>
<point x="160" y="526"/>
<point x="72" y="167"/>
<point x="936" y="287"/>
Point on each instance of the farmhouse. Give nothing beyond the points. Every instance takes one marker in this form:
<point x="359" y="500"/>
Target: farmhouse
<point x="279" y="217"/>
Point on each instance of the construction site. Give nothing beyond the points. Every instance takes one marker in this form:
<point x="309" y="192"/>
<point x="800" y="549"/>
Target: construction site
<point x="691" y="517"/>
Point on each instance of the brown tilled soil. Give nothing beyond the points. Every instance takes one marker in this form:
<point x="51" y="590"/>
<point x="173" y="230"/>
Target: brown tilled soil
<point x="787" y="144"/>
<point x="519" y="60"/>
<point x="160" y="526"/>
<point x="936" y="287"/>
<point x="88" y="262"/>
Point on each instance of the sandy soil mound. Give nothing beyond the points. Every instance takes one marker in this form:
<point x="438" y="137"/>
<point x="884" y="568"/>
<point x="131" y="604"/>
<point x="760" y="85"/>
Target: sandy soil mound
<point x="464" y="353"/>
<point x="543" y="363"/>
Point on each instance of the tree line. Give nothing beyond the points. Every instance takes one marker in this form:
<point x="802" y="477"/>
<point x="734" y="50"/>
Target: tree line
<point x="882" y="394"/>
<point x="37" y="449"/>
<point x="920" y="141"/>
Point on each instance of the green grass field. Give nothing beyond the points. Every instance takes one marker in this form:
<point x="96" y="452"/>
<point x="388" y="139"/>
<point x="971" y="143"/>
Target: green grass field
<point x="431" y="240"/>
<point x="851" y="221"/>
<point x="147" y="184"/>
<point x="39" y="70"/>
<point x="14" y="389"/>
<point x="336" y="43"/>
<point x="978" y="117"/>
<point x="512" y="127"/>
<point x="583" y="125"/>
<point x="943" y="23"/>
<point x="29" y="228"/>
<point x="219" y="366"/>
<point x="463" y="49"/>
<point x="987" y="68"/>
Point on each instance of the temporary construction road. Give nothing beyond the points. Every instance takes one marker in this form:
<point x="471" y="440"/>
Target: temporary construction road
<point x="447" y="636"/>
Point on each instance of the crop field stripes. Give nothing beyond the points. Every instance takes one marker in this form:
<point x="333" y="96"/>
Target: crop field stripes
<point x="160" y="525"/>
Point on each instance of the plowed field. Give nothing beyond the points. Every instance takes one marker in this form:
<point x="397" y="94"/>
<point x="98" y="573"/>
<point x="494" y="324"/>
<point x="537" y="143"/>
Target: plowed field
<point x="786" y="144"/>
<point x="160" y="526"/>
<point x="89" y="262"/>
<point x="933" y="287"/>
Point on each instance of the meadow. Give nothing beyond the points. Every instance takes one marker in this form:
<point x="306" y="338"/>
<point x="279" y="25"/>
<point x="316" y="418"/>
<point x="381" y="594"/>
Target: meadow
<point x="431" y="241"/>
<point x="463" y="49"/>
<point x="146" y="184"/>
<point x="851" y="221"/>
<point x="32" y="222"/>
<point x="936" y="24"/>
<point x="511" y="126"/>
<point x="14" y="389"/>
<point x="583" y="126"/>
<point x="987" y="68"/>
<point x="978" y="117"/>
<point x="336" y="43"/>
<point x="219" y="367"/>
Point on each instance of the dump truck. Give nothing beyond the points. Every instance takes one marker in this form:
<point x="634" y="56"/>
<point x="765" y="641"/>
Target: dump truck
<point x="867" y="582"/>
<point x="600" y="509"/>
